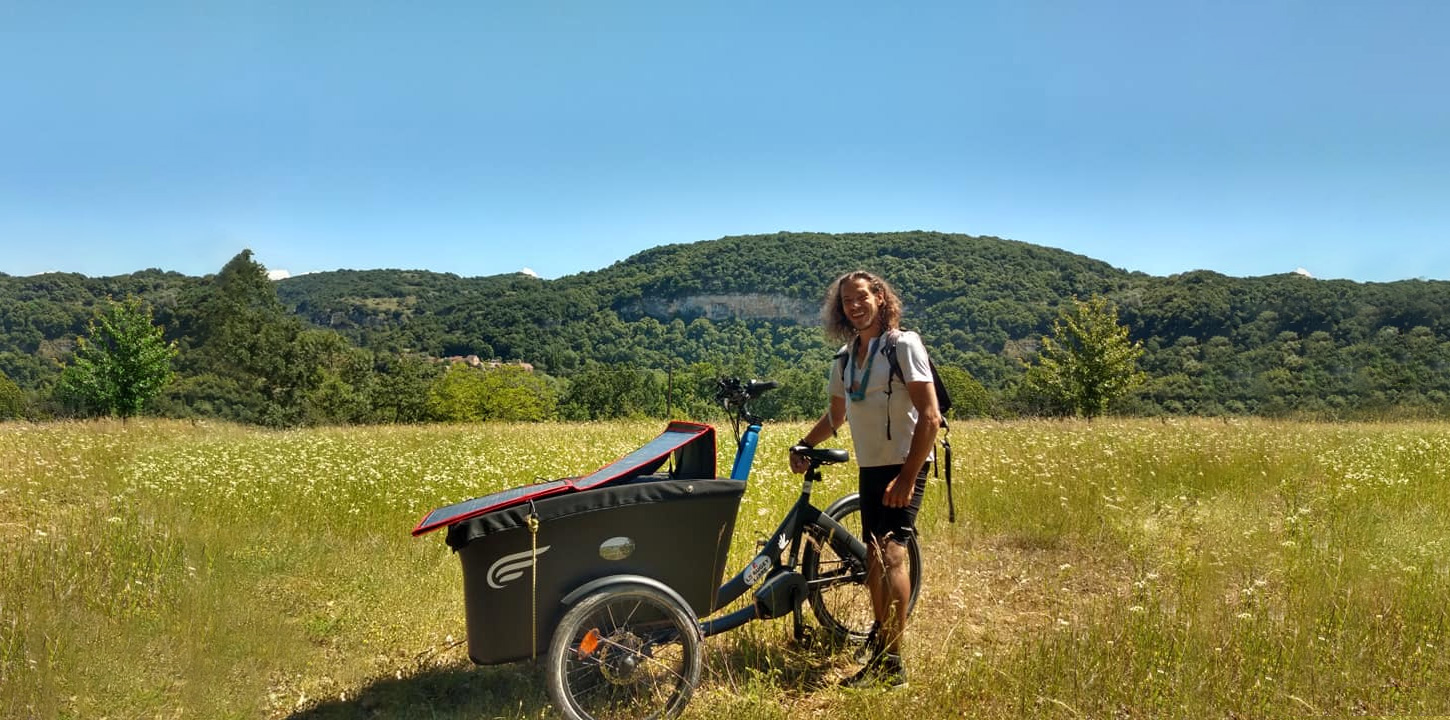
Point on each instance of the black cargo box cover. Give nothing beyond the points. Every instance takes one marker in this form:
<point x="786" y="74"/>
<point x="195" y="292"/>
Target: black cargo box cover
<point x="637" y="492"/>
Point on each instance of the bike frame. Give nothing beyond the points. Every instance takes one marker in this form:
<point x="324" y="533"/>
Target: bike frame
<point x="782" y="551"/>
<point x="745" y="452"/>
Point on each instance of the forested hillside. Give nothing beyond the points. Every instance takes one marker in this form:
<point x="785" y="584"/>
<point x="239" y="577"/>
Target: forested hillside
<point x="354" y="346"/>
<point x="716" y="301"/>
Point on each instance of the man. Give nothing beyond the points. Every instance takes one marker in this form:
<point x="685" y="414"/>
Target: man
<point x="893" y="433"/>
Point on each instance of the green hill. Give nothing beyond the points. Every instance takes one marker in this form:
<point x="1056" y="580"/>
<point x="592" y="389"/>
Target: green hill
<point x="973" y="296"/>
<point x="1282" y="344"/>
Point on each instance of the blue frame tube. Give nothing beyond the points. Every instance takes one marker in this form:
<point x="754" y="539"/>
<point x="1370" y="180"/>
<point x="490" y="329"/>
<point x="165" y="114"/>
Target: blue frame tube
<point x="745" y="453"/>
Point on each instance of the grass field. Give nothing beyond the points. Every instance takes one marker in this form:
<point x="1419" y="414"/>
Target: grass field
<point x="1113" y="569"/>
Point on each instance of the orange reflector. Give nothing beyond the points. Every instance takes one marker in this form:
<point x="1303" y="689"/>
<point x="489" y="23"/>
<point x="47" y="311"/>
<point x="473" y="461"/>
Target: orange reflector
<point x="589" y="643"/>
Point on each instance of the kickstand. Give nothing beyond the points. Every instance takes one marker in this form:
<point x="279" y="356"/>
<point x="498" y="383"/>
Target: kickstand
<point x="801" y="632"/>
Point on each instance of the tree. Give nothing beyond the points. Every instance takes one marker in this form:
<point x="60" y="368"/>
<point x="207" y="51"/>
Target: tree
<point x="121" y="363"/>
<point x="507" y="392"/>
<point x="12" y="398"/>
<point x="969" y="398"/>
<point x="457" y="396"/>
<point x="1086" y="363"/>
<point x="400" y="393"/>
<point x="513" y="393"/>
<point x="333" y="378"/>
<point x="602" y="392"/>
<point x="246" y="361"/>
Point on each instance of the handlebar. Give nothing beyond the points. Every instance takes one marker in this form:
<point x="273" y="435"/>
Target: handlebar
<point x="735" y="395"/>
<point x="756" y="388"/>
<point x="737" y="392"/>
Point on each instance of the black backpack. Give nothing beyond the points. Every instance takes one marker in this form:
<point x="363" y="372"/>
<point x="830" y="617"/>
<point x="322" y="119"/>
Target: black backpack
<point x="943" y="404"/>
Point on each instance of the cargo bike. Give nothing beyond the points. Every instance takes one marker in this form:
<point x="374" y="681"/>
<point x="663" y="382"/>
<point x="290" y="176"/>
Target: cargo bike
<point x="614" y="577"/>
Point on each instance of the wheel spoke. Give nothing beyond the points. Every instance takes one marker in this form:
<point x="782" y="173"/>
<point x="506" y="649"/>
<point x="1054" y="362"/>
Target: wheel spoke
<point x="630" y="655"/>
<point x="836" y="579"/>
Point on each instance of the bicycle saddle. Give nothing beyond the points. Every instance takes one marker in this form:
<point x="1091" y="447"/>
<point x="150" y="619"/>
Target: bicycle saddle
<point x="822" y="456"/>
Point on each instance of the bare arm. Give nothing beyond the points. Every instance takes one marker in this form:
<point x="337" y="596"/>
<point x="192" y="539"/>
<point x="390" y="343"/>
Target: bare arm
<point x="928" y="420"/>
<point x="824" y="428"/>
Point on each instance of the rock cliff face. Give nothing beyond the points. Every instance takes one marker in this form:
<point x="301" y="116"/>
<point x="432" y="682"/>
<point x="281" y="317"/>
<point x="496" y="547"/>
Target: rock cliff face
<point x="745" y="306"/>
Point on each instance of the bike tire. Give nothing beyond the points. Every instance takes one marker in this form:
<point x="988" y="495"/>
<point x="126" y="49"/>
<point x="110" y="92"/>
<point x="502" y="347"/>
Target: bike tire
<point x="836" y="579"/>
<point x="626" y="651"/>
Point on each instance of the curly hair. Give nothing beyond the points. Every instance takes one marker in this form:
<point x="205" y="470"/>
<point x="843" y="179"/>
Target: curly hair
<point x="833" y="318"/>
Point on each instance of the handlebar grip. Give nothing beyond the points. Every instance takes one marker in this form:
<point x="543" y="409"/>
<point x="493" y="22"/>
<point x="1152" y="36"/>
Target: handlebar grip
<point x="756" y="388"/>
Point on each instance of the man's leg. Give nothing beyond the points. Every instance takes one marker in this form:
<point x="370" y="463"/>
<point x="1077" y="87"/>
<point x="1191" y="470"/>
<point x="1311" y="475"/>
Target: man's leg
<point x="890" y="585"/>
<point x="888" y="579"/>
<point x="896" y="596"/>
<point x="896" y="569"/>
<point x="876" y="580"/>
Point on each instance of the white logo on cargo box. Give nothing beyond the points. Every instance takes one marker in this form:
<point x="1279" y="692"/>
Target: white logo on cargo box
<point x="511" y="567"/>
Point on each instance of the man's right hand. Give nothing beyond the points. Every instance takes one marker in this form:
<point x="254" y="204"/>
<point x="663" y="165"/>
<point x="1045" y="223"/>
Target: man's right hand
<point x="798" y="464"/>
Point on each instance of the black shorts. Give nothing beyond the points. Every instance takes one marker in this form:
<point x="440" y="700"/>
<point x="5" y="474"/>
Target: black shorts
<point x="891" y="523"/>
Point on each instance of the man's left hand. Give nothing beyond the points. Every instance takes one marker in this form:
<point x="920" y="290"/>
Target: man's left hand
<point x="898" y="492"/>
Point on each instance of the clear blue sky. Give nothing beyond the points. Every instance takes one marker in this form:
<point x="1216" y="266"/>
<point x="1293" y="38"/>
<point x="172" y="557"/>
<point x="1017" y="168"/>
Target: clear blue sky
<point x="1249" y="137"/>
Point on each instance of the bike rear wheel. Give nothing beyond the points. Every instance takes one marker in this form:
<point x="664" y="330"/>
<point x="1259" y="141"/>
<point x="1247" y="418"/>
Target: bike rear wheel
<point x="628" y="651"/>
<point x="836" y="577"/>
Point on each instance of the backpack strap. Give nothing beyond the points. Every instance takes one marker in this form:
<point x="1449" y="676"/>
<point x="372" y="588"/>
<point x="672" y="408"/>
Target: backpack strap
<point x="888" y="348"/>
<point x="843" y="356"/>
<point x="946" y="444"/>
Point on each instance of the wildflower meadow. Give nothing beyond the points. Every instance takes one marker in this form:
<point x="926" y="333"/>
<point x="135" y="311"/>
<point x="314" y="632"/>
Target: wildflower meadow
<point x="1105" y="569"/>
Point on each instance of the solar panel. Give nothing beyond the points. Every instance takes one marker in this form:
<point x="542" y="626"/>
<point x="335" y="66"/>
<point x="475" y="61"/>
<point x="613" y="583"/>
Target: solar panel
<point x="458" y="512"/>
<point x="694" y="441"/>
<point x="640" y="462"/>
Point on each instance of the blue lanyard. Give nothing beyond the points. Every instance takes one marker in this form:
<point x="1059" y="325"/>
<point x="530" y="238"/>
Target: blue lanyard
<point x="858" y="387"/>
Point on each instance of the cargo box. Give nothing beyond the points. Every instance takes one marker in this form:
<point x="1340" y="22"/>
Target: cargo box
<point x="634" y="516"/>
<point x="674" y="531"/>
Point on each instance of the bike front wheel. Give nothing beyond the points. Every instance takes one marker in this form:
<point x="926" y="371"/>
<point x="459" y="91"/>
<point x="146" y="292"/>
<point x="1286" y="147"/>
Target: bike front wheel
<point x="628" y="651"/>
<point x="836" y="577"/>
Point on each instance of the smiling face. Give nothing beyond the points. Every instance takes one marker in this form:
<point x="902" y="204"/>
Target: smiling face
<point x="861" y="305"/>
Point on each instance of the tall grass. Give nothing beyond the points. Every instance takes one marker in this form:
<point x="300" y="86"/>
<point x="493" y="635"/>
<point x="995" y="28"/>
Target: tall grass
<point x="1105" y="569"/>
<point x="1253" y="569"/>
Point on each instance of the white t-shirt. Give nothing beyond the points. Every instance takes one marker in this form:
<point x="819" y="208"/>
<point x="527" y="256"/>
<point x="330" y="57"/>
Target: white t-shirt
<point x="867" y="416"/>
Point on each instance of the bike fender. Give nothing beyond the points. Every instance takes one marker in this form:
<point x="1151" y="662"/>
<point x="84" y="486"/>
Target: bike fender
<point x="600" y="583"/>
<point x="841" y="502"/>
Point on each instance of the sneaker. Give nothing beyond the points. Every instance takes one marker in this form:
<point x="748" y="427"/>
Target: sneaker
<point x="883" y="671"/>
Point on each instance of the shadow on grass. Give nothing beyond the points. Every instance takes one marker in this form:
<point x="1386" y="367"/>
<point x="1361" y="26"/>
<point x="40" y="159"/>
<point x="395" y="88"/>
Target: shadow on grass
<point x="737" y="661"/>
<point x="774" y="659"/>
<point x="451" y="691"/>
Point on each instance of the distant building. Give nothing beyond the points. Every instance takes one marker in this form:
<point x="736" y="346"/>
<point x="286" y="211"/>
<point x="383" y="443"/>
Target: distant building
<point x="474" y="361"/>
